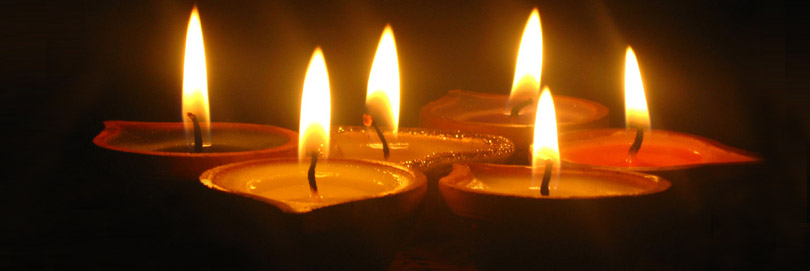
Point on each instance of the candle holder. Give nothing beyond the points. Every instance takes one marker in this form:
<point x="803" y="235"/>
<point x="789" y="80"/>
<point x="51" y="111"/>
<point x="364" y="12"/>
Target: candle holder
<point x="363" y="210"/>
<point x="486" y="113"/>
<point x="714" y="186"/>
<point x="660" y="150"/>
<point x="601" y="219"/>
<point x="158" y="150"/>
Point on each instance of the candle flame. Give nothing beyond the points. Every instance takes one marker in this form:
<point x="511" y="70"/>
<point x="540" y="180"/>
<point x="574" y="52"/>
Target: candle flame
<point x="382" y="95"/>
<point x="545" y="145"/>
<point x="195" y="83"/>
<point x="526" y="84"/>
<point x="635" y="102"/>
<point x="315" y="109"/>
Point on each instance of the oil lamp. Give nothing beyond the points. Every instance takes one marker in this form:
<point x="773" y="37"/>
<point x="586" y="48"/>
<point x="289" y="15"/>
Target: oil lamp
<point x="358" y="204"/>
<point x="548" y="214"/>
<point x="181" y="151"/>
<point x="640" y="148"/>
<point x="427" y="150"/>
<point x="512" y="116"/>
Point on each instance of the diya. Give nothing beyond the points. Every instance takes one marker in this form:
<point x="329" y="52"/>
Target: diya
<point x="512" y="116"/>
<point x="553" y="215"/>
<point x="181" y="151"/>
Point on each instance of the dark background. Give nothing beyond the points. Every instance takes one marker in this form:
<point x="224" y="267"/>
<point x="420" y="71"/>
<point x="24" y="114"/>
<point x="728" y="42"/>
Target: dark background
<point x="720" y="70"/>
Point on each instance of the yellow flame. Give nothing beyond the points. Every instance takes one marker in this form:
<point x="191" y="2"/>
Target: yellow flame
<point x="545" y="145"/>
<point x="315" y="109"/>
<point x="382" y="94"/>
<point x="526" y="84"/>
<point x="636" y="114"/>
<point x="195" y="83"/>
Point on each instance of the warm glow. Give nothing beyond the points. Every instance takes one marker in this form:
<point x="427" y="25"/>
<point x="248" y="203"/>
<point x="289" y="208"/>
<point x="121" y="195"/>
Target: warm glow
<point x="545" y="145"/>
<point x="195" y="83"/>
<point x="636" y="115"/>
<point x="382" y="95"/>
<point x="315" y="109"/>
<point x="526" y="84"/>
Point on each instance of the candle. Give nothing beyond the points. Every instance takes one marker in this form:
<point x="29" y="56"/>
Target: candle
<point x="640" y="148"/>
<point x="427" y="150"/>
<point x="342" y="208"/>
<point x="512" y="116"/>
<point x="181" y="151"/>
<point x="565" y="214"/>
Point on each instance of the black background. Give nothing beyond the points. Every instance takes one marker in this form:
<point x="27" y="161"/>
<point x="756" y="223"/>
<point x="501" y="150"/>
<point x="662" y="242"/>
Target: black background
<point x="715" y="69"/>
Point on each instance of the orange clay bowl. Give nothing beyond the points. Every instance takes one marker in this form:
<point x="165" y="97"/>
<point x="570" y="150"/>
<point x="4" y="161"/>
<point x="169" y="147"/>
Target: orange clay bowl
<point x="504" y="231"/>
<point x="357" y="233"/>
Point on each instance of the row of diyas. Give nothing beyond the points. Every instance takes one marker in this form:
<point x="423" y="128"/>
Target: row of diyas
<point x="181" y="151"/>
<point x="324" y="186"/>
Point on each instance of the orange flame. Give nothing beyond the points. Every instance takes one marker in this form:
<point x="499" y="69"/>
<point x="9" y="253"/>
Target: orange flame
<point x="315" y="109"/>
<point x="636" y="114"/>
<point x="528" y="69"/>
<point x="545" y="131"/>
<point x="545" y="147"/>
<point x="195" y="83"/>
<point x="382" y="94"/>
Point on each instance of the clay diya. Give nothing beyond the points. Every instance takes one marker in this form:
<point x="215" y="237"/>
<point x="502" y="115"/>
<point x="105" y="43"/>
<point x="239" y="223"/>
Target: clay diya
<point x="426" y="150"/>
<point x="550" y="215"/>
<point x="181" y="151"/>
<point x="345" y="212"/>
<point x="512" y="116"/>
<point x="638" y="147"/>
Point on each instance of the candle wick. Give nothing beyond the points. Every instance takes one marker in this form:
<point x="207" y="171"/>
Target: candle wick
<point x="313" y="186"/>
<point x="546" y="178"/>
<point x="516" y="109"/>
<point x="636" y="144"/>
<point x="198" y="145"/>
<point x="369" y="121"/>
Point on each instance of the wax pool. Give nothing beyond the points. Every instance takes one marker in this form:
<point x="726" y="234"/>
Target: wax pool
<point x="286" y="182"/>
<point x="659" y="149"/>
<point x="571" y="183"/>
<point x="160" y="150"/>
<point x="157" y="137"/>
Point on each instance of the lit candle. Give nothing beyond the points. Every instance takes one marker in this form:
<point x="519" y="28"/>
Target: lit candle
<point x="512" y="116"/>
<point x="546" y="215"/>
<point x="638" y="147"/>
<point x="183" y="150"/>
<point x="546" y="172"/>
<point x="429" y="151"/>
<point x="312" y="181"/>
<point x="330" y="200"/>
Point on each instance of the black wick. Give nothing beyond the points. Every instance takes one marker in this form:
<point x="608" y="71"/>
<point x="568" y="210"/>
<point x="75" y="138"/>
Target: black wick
<point x="546" y="178"/>
<point x="516" y="109"/>
<point x="368" y="120"/>
<point x="636" y="142"/>
<point x="198" y="145"/>
<point x="313" y="186"/>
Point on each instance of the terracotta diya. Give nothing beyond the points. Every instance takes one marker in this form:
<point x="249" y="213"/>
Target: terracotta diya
<point x="512" y="116"/>
<point x="381" y="138"/>
<point x="181" y="151"/>
<point x="640" y="148"/>
<point x="552" y="215"/>
<point x="346" y="213"/>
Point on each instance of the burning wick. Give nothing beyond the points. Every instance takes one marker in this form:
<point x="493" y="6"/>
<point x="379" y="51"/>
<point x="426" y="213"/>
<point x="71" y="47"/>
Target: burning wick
<point x="516" y="109"/>
<point x="546" y="178"/>
<point x="198" y="145"/>
<point x="313" y="186"/>
<point x="636" y="144"/>
<point x="369" y="121"/>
